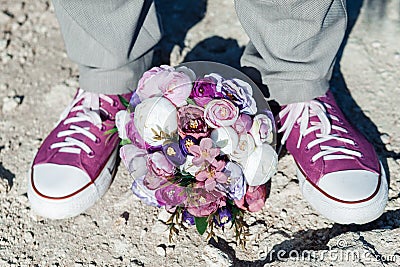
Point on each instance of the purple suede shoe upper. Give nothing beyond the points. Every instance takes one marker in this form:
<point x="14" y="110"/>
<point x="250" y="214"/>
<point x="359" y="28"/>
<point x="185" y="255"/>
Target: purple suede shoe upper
<point x="366" y="158"/>
<point x="94" y="161"/>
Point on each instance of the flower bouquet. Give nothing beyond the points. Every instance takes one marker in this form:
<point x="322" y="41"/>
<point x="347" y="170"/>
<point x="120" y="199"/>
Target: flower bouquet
<point x="199" y="140"/>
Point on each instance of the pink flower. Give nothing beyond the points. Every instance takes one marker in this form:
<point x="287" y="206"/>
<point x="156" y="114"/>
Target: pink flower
<point x="220" y="113"/>
<point x="158" y="164"/>
<point x="201" y="203"/>
<point x="133" y="134"/>
<point x="176" y="85"/>
<point x="204" y="153"/>
<point x="170" y="196"/>
<point x="153" y="182"/>
<point x="191" y="122"/>
<point x="254" y="200"/>
<point x="243" y="124"/>
<point x="211" y="176"/>
<point x="148" y="84"/>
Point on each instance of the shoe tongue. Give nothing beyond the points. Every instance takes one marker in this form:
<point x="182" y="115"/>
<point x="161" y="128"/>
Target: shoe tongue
<point x="92" y="101"/>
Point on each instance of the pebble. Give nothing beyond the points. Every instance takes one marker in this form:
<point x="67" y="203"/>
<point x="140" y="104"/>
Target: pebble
<point x="160" y="251"/>
<point x="385" y="138"/>
<point x="3" y="44"/>
<point x="9" y="104"/>
<point x="376" y="44"/>
<point x="164" y="215"/>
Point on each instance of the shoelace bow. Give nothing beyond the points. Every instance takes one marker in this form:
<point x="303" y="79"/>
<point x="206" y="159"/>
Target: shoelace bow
<point x="88" y="111"/>
<point x="301" y="113"/>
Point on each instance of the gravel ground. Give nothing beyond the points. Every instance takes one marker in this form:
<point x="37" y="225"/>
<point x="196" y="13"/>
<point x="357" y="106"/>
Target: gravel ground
<point x="37" y="81"/>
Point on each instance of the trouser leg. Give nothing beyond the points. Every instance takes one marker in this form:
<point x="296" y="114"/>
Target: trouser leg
<point x="293" y="44"/>
<point x="110" y="40"/>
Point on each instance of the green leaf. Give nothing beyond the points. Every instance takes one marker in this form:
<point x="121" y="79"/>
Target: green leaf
<point x="124" y="102"/>
<point x="222" y="143"/>
<point x="111" y="131"/>
<point x="125" y="142"/>
<point x="190" y="101"/>
<point x="201" y="224"/>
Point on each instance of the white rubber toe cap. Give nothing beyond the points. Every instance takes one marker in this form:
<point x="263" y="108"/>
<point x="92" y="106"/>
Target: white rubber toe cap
<point x="58" y="181"/>
<point x="350" y="185"/>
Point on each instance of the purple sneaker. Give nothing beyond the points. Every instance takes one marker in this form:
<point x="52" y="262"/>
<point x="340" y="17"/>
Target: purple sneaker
<point x="338" y="170"/>
<point x="76" y="162"/>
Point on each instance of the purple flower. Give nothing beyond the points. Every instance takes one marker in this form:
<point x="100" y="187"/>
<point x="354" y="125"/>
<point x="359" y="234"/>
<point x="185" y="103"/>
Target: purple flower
<point x="143" y="193"/>
<point x="202" y="203"/>
<point x="205" y="90"/>
<point x="188" y="218"/>
<point x="235" y="186"/>
<point x="135" y="100"/>
<point x="239" y="92"/>
<point x="225" y="216"/>
<point x="243" y="124"/>
<point x="133" y="134"/>
<point x="134" y="159"/>
<point x="191" y="122"/>
<point x="153" y="182"/>
<point x="211" y="177"/>
<point x="174" y="153"/>
<point x="187" y="142"/>
<point x="171" y="195"/>
<point x="221" y="113"/>
<point x="158" y="164"/>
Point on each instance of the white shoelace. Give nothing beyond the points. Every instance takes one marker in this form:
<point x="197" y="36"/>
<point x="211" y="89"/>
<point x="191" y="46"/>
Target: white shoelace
<point x="89" y="111"/>
<point x="301" y="113"/>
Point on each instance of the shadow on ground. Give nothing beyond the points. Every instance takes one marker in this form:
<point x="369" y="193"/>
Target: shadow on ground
<point x="7" y="175"/>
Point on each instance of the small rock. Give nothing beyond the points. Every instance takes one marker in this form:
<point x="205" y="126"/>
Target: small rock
<point x="9" y="104"/>
<point x="160" y="250"/>
<point x="376" y="44"/>
<point x="385" y="138"/>
<point x="3" y="44"/>
<point x="164" y="215"/>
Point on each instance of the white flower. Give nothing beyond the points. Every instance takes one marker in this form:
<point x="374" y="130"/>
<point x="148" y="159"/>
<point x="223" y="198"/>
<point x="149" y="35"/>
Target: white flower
<point x="244" y="149"/>
<point x="261" y="130"/>
<point x="155" y="118"/>
<point x="121" y="119"/>
<point x="225" y="138"/>
<point x="260" y="165"/>
<point x="189" y="167"/>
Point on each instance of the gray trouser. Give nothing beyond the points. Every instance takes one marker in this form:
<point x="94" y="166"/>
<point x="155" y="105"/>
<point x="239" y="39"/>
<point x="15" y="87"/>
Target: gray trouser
<point x="293" y="43"/>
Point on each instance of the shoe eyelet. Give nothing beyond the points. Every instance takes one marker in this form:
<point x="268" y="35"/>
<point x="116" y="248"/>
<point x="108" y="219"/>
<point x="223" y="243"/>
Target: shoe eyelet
<point x="49" y="148"/>
<point x="91" y="154"/>
<point x="362" y="156"/>
<point x="110" y="117"/>
<point x="97" y="141"/>
<point x="306" y="149"/>
<point x="103" y="128"/>
<point x="114" y="103"/>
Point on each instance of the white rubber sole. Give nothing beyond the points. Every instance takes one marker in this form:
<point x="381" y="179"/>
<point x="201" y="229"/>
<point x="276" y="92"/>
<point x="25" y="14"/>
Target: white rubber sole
<point x="61" y="208"/>
<point x="359" y="212"/>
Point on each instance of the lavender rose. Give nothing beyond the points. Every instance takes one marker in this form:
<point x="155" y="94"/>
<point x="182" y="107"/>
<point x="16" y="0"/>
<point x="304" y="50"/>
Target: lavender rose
<point x="158" y="164"/>
<point x="235" y="186"/>
<point x="134" y="159"/>
<point x="143" y="193"/>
